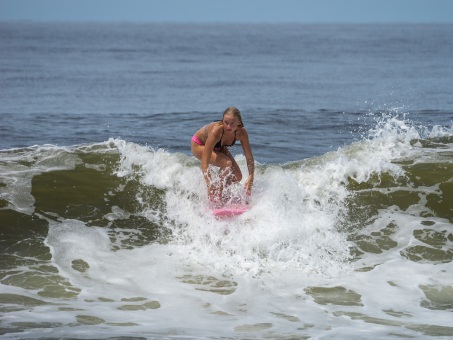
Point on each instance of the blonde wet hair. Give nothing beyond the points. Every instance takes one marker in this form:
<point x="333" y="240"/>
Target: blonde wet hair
<point x="234" y="111"/>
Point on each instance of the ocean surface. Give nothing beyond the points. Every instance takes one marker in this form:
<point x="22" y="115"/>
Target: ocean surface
<point x="105" y="227"/>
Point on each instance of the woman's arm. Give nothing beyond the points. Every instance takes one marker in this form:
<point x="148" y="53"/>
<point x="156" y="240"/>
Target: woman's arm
<point x="244" y="139"/>
<point x="213" y="137"/>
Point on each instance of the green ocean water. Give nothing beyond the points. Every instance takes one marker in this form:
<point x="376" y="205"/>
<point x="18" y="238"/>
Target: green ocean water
<point x="71" y="217"/>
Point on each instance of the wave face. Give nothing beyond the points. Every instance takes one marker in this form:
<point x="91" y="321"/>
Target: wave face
<point x="116" y="239"/>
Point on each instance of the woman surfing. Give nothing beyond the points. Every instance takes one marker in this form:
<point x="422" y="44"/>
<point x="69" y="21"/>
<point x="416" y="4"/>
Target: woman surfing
<point x="210" y="145"/>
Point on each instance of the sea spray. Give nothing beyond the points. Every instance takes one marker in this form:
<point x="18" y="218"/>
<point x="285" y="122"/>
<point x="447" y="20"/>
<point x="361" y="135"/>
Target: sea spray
<point x="357" y="238"/>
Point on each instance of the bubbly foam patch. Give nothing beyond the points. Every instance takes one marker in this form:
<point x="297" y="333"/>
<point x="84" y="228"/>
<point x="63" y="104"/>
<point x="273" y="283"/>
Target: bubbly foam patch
<point x="284" y="268"/>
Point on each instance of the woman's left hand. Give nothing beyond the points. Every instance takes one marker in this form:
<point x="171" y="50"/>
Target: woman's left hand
<point x="248" y="186"/>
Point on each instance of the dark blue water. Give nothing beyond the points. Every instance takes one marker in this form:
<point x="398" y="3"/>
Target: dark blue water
<point x="104" y="234"/>
<point x="303" y="89"/>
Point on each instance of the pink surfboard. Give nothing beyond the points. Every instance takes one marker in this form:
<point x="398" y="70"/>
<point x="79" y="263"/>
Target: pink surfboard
<point x="230" y="210"/>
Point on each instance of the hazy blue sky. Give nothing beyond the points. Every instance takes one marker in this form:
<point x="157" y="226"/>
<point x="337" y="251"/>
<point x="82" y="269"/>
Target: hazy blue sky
<point x="310" y="11"/>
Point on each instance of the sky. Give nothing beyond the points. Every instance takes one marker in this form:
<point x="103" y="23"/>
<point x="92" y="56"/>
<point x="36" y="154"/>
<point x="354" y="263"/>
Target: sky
<point x="234" y="11"/>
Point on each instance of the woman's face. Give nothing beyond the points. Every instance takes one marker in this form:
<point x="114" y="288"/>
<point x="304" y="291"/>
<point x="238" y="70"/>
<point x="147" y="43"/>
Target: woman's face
<point x="230" y="122"/>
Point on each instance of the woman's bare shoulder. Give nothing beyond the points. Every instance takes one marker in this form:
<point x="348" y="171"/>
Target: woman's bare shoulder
<point x="241" y="132"/>
<point x="214" y="128"/>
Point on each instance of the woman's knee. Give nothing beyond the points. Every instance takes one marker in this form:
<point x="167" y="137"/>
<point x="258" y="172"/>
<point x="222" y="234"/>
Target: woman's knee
<point x="231" y="169"/>
<point x="228" y="164"/>
<point x="236" y="173"/>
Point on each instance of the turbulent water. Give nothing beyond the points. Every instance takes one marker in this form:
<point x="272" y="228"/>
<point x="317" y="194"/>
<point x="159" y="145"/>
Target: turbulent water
<point x="348" y="235"/>
<point x="98" y="239"/>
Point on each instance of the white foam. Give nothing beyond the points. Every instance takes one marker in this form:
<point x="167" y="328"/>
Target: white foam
<point x="265" y="260"/>
<point x="18" y="168"/>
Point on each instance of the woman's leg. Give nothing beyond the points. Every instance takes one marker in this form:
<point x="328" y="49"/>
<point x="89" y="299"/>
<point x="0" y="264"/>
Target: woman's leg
<point x="232" y="173"/>
<point x="229" y="171"/>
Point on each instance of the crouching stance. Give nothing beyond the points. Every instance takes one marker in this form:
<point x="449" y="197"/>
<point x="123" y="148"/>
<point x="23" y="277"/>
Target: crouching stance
<point x="210" y="145"/>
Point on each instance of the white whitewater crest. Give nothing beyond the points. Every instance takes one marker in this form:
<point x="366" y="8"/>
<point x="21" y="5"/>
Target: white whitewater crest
<point x="291" y="224"/>
<point x="283" y="268"/>
<point x="296" y="213"/>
